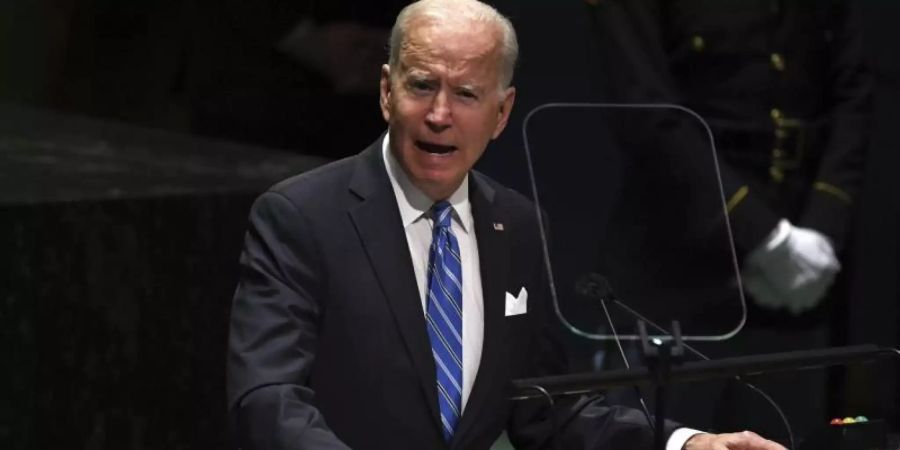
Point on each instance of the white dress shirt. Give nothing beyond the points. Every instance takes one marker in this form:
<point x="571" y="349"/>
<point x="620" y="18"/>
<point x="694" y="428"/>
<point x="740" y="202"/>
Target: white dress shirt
<point x="414" y="207"/>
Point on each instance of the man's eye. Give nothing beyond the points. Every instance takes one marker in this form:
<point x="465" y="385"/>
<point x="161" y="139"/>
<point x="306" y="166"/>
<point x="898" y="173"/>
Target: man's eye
<point x="420" y="86"/>
<point x="468" y="95"/>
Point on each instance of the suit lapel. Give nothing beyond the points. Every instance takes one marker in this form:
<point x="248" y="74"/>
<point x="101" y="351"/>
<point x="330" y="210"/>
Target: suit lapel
<point x="493" y="251"/>
<point x="380" y="228"/>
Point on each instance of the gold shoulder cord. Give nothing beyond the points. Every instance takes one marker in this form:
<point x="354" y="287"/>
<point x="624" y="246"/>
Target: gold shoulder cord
<point x="737" y="198"/>
<point x="833" y="190"/>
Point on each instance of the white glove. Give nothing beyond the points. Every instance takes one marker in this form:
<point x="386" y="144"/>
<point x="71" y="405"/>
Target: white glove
<point x="765" y="295"/>
<point x="793" y="269"/>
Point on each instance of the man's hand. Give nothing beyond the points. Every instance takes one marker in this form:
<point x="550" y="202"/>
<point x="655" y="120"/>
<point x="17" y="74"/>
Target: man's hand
<point x="793" y="269"/>
<point x="730" y="441"/>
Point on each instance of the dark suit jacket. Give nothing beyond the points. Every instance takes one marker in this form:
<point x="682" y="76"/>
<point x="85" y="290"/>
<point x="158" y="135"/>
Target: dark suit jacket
<point x="328" y="344"/>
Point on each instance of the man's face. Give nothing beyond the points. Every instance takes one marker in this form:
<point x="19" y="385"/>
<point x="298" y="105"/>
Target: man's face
<point x="444" y="105"/>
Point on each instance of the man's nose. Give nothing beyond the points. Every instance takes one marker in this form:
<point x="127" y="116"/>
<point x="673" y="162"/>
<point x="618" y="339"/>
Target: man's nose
<point x="439" y="117"/>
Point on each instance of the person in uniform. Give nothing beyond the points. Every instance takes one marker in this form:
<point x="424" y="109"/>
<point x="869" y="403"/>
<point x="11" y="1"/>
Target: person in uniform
<point x="784" y="89"/>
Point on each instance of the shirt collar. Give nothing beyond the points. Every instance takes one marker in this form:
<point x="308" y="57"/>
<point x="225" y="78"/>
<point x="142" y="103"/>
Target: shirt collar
<point x="413" y="203"/>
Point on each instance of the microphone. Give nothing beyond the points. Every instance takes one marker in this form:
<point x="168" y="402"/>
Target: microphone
<point x="593" y="286"/>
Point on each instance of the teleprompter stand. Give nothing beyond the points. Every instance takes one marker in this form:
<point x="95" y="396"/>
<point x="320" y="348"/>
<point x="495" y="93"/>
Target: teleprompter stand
<point x="659" y="358"/>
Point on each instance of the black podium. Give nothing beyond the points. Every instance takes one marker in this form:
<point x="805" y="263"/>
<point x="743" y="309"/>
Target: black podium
<point x="588" y="383"/>
<point x="119" y="253"/>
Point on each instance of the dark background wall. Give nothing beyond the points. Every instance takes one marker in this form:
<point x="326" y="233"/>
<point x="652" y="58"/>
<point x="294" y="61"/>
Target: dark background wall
<point x="119" y="235"/>
<point x="874" y="313"/>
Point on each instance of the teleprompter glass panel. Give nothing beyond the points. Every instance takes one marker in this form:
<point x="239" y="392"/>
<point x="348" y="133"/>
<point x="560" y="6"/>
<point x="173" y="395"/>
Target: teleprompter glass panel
<point x="636" y="220"/>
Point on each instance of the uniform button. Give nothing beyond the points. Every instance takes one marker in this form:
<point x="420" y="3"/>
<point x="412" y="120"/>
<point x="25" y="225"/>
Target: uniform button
<point x="698" y="43"/>
<point x="776" y="114"/>
<point x="776" y="173"/>
<point x="777" y="61"/>
<point x="777" y="153"/>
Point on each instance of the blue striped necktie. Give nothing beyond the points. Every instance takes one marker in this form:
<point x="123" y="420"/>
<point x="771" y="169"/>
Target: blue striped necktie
<point x="444" y="315"/>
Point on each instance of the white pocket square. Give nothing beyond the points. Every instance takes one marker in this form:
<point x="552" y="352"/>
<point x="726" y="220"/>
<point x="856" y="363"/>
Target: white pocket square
<point x="518" y="304"/>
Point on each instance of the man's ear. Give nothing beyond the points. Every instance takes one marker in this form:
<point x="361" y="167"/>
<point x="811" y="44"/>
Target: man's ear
<point x="506" y="104"/>
<point x="385" y="92"/>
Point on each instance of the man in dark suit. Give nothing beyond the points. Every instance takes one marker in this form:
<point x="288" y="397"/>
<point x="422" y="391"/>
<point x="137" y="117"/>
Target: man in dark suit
<point x="388" y="299"/>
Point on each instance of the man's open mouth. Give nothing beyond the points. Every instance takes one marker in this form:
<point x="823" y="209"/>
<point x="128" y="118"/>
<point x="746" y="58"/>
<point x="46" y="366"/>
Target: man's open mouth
<point x="435" y="148"/>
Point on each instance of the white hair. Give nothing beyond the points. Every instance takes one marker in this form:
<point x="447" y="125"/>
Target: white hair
<point x="472" y="10"/>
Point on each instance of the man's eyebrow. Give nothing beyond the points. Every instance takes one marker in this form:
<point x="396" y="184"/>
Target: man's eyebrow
<point x="469" y="87"/>
<point x="419" y="74"/>
<point x="425" y="76"/>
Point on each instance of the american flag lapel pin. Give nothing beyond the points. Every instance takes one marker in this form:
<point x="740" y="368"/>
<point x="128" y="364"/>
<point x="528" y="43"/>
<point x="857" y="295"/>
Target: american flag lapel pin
<point x="498" y="226"/>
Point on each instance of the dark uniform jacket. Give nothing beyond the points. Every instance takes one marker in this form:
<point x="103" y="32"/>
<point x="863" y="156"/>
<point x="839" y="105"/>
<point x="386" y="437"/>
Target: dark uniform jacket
<point x="782" y="85"/>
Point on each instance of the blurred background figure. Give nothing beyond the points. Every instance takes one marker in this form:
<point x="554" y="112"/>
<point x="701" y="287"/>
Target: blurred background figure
<point x="285" y="74"/>
<point x="289" y="74"/>
<point x="784" y="88"/>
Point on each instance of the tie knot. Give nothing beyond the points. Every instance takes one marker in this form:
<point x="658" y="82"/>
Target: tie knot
<point x="442" y="214"/>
